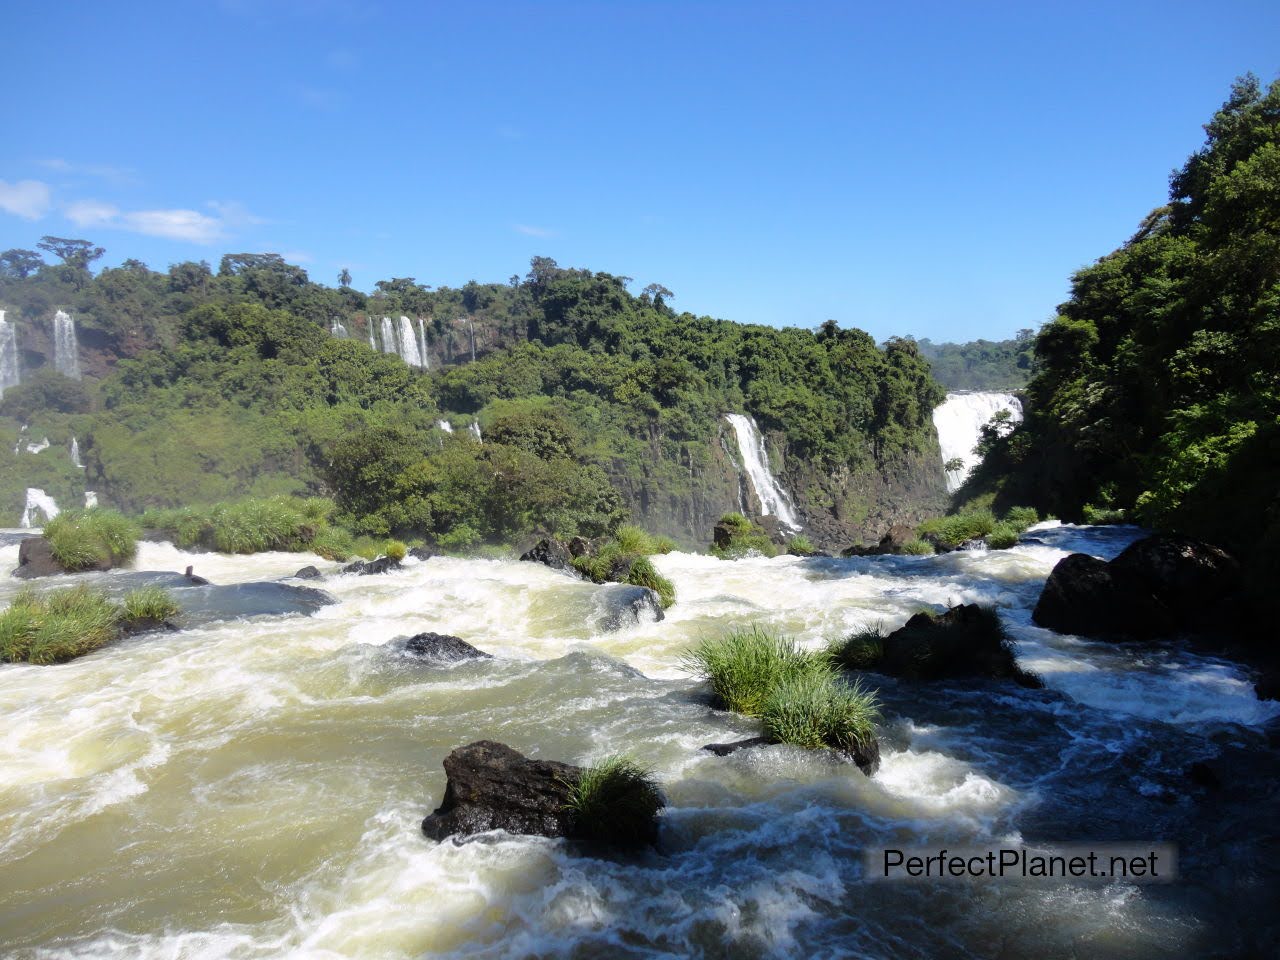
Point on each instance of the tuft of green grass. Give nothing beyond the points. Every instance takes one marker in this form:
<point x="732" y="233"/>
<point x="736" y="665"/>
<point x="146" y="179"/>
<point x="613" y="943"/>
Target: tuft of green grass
<point x="745" y="538"/>
<point x="57" y="626"/>
<point x="394" y="550"/>
<point x="644" y="574"/>
<point x="254" y="526"/>
<point x="1002" y="536"/>
<point x="817" y="709"/>
<point x="861" y="650"/>
<point x="745" y="665"/>
<point x="150" y="603"/>
<point x="333" y="543"/>
<point x="952" y="531"/>
<point x="1103" y="515"/>
<point x="1021" y="518"/>
<point x="800" y="546"/>
<point x="84" y="539"/>
<point x="615" y="801"/>
<point x="918" y="548"/>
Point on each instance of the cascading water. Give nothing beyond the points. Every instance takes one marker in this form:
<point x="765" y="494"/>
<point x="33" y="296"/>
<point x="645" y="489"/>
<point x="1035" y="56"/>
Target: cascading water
<point x="409" y="343"/>
<point x="338" y="329"/>
<point x="389" y="344"/>
<point x="9" y="373"/>
<point x="474" y="430"/>
<point x="422" y="345"/>
<point x="254" y="789"/>
<point x="445" y="425"/>
<point x="75" y="453"/>
<point x="774" y="501"/>
<point x="373" y="342"/>
<point x="40" y="507"/>
<point x="90" y="499"/>
<point x="66" y="348"/>
<point x="39" y="447"/>
<point x="959" y="420"/>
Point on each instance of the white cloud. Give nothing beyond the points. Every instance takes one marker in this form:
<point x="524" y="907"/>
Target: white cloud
<point x="235" y="214"/>
<point x="28" y="199"/>
<point x="117" y="175"/>
<point x="529" y="231"/>
<point x="175" y="225"/>
<point x="89" y="213"/>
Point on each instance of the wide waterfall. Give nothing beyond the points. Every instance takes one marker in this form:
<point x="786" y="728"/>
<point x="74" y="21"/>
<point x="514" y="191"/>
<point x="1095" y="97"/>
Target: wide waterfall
<point x="40" y="507"/>
<point x="389" y="344"/>
<point x="409" y="351"/>
<point x="774" y="501"/>
<point x="9" y="372"/>
<point x="959" y="419"/>
<point x="75" y="453"/>
<point x="66" y="348"/>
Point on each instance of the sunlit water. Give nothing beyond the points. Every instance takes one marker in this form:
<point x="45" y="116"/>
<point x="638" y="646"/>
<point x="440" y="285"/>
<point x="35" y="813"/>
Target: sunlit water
<point x="254" y="789"/>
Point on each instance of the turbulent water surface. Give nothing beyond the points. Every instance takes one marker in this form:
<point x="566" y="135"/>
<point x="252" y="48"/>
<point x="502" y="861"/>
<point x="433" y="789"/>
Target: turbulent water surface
<point x="255" y="789"/>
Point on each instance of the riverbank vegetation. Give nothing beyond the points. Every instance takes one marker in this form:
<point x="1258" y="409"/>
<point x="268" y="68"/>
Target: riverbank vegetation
<point x="91" y="539"/>
<point x="615" y="801"/>
<point x="59" y="625"/>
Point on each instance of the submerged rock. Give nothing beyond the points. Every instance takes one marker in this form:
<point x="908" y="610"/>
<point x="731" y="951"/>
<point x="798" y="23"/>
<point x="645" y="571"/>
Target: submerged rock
<point x="724" y="749"/>
<point x="892" y="542"/>
<point x="627" y="606"/>
<point x="966" y="641"/>
<point x="866" y="754"/>
<point x="367" y="568"/>
<point x="202" y="602"/>
<point x="438" y="648"/>
<point x="308" y="573"/>
<point x="421" y="553"/>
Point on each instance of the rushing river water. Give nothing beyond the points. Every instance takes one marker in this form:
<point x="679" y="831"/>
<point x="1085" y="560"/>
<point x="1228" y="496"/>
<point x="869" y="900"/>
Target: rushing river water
<point x="255" y="789"/>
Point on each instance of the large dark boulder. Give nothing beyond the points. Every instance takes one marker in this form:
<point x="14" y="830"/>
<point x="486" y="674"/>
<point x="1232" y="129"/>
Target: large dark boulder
<point x="722" y="535"/>
<point x="367" y="568"/>
<point x="308" y="573"/>
<point x="893" y="541"/>
<point x="1187" y="576"/>
<point x="1093" y="598"/>
<point x="438" y="648"/>
<point x="624" y="605"/>
<point x="550" y="553"/>
<point x="35" y="559"/>
<point x="421" y="553"/>
<point x="966" y="641"/>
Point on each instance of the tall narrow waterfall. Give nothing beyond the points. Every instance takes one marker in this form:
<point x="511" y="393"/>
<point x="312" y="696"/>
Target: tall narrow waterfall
<point x="409" y="352"/>
<point x="75" y="453"/>
<point x="338" y="329"/>
<point x="40" y="508"/>
<point x="66" y="349"/>
<point x="422" y="345"/>
<point x="958" y="421"/>
<point x="774" y="501"/>
<point x="389" y="344"/>
<point x="9" y="376"/>
<point x="373" y="342"/>
<point x="475" y="431"/>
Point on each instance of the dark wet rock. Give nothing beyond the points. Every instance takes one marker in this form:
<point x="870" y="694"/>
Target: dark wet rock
<point x="724" y="749"/>
<point x="131" y="628"/>
<point x="722" y="536"/>
<point x="579" y="547"/>
<point x="421" y="553"/>
<point x="626" y="606"/>
<point x="1186" y="575"/>
<point x="866" y="755"/>
<point x="966" y="641"/>
<point x="892" y="542"/>
<point x="1203" y="774"/>
<point x="1093" y="598"/>
<point x="550" y="553"/>
<point x="211" y="603"/>
<point x="308" y="573"/>
<point x="1268" y="685"/>
<point x="367" y="568"/>
<point x="35" y="559"/>
<point x="438" y="648"/>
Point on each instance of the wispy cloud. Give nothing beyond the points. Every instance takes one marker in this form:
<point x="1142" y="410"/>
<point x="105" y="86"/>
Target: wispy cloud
<point x="116" y="175"/>
<point x="297" y="256"/>
<point x="91" y="213"/>
<point x="28" y="199"/>
<point x="530" y="231"/>
<point x="176" y="224"/>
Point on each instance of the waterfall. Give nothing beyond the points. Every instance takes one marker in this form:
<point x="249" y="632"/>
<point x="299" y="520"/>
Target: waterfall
<point x="474" y="429"/>
<point x="445" y="425"/>
<point x="389" y="336"/>
<point x="75" y="453"/>
<point x="9" y="376"/>
<point x="755" y="460"/>
<point x="40" y="447"/>
<point x="958" y="421"/>
<point x="422" y="345"/>
<point x="409" y="343"/>
<point x="338" y="330"/>
<point x="373" y="343"/>
<point x="471" y="334"/>
<point x="90" y="499"/>
<point x="18" y="446"/>
<point x="66" y="349"/>
<point x="37" y="502"/>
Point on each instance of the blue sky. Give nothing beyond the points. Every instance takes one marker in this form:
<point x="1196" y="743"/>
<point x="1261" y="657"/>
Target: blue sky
<point x="934" y="169"/>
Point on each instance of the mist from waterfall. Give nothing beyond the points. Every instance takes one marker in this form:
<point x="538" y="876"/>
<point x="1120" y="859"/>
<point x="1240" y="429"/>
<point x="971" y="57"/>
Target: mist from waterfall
<point x="9" y="372"/>
<point x="959" y="421"/>
<point x="774" y="500"/>
<point x="66" y="348"/>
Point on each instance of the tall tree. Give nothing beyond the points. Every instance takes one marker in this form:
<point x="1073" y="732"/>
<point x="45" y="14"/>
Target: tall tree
<point x="73" y="253"/>
<point x="19" y="263"/>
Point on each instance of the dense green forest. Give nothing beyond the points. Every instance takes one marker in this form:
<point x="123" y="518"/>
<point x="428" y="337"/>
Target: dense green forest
<point x="994" y="365"/>
<point x="1157" y="391"/>
<point x="592" y="401"/>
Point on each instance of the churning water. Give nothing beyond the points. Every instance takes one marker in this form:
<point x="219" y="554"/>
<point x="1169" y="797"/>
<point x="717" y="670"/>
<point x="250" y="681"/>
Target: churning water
<point x="254" y="789"/>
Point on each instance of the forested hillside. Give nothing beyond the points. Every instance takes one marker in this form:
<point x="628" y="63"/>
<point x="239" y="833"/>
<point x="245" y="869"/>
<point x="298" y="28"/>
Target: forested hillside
<point x="1158" y="386"/>
<point x="1003" y="365"/>
<point x="591" y="401"/>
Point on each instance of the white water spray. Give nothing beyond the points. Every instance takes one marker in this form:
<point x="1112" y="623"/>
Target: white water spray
<point x="75" y="453"/>
<point x="445" y="425"/>
<point x="959" y="420"/>
<point x="38" y="503"/>
<point x="9" y="374"/>
<point x="90" y="499"/>
<point x="40" y="447"/>
<point x="409" y="351"/>
<point x="422" y="345"/>
<point x="373" y="343"/>
<point x="474" y="430"/>
<point x="338" y="329"/>
<point x="389" y="344"/>
<point x="66" y="348"/>
<point x="774" y="501"/>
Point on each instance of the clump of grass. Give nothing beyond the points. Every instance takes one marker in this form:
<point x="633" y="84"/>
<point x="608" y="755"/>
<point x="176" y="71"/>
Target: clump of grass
<point x="394" y="550"/>
<point x="1103" y="515"/>
<point x="333" y="543"/>
<point x="918" y="548"/>
<point x="952" y="531"/>
<point x="254" y="526"/>
<point x="1002" y="536"/>
<point x="631" y="539"/>
<point x="86" y="539"/>
<point x="861" y="650"/>
<point x="644" y="574"/>
<point x="366" y="548"/>
<point x="150" y="603"/>
<point x="744" y="538"/>
<point x="745" y="665"/>
<point x="615" y="801"/>
<point x="817" y="709"/>
<point x="800" y="546"/>
<point x="58" y="626"/>
<point x="1021" y="518"/>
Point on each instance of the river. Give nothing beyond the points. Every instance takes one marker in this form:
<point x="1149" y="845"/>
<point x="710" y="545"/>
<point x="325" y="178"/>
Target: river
<point x="255" y="789"/>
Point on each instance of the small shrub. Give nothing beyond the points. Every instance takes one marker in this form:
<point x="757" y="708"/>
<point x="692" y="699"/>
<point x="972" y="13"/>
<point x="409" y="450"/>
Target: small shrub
<point x="1103" y="515"/>
<point x="1002" y="536"/>
<point x="254" y="526"/>
<point x="861" y="650"/>
<point x="150" y="603"/>
<point x="333" y="543"/>
<point x="84" y="539"/>
<point x="745" y="537"/>
<point x="644" y="574"/>
<point x="952" y="531"/>
<point x="615" y="801"/>
<point x="817" y="709"/>
<point x="918" y="548"/>
<point x="58" y="626"/>
<point x="800" y="546"/>
<point x="745" y="665"/>
<point x="1022" y="518"/>
<point x="394" y="550"/>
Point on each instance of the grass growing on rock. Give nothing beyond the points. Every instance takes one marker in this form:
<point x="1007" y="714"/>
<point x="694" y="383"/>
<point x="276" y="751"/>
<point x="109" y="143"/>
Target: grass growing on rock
<point x="57" y="626"/>
<point x="801" y="546"/>
<point x="816" y="709"/>
<point x="625" y="559"/>
<point x="644" y="574"/>
<point x="149" y="603"/>
<point x="860" y="650"/>
<point x="87" y="539"/>
<point x="289" y="524"/>
<point x="615" y="801"/>
<point x="918" y="548"/>
<point x="1002" y="536"/>
<point x="744" y="539"/>
<point x="958" y="528"/>
<point x="395" y="550"/>
<point x="744" y="666"/>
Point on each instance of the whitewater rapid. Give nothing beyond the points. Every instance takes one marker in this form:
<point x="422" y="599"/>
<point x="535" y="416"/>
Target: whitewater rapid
<point x="254" y="789"/>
